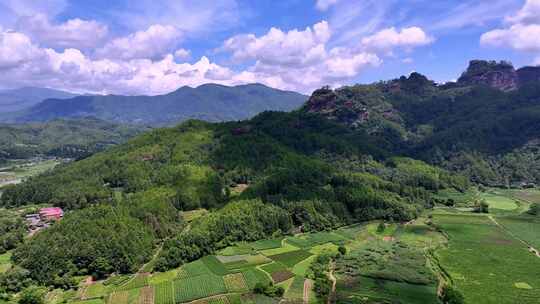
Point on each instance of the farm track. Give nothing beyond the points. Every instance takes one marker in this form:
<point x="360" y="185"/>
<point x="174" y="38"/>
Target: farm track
<point x="529" y="246"/>
<point x="308" y="284"/>
<point x="332" y="295"/>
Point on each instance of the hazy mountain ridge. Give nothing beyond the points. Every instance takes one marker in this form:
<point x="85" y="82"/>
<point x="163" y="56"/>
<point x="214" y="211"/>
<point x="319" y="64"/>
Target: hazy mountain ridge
<point x="208" y="102"/>
<point x="23" y="98"/>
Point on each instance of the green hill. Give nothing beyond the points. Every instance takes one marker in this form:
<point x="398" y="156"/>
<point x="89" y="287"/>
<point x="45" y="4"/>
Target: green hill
<point x="73" y="138"/>
<point x="210" y="102"/>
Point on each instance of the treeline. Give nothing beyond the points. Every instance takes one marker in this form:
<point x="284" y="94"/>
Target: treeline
<point x="238" y="221"/>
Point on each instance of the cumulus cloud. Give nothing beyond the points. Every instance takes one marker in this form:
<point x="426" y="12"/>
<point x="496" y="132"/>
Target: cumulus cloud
<point x="323" y="5"/>
<point x="518" y="36"/>
<point x="276" y="47"/>
<point x="528" y="14"/>
<point x="74" y="33"/>
<point x="23" y="63"/>
<point x="182" y="54"/>
<point x="522" y="32"/>
<point x="152" y="43"/>
<point x="388" y="39"/>
<point x="298" y="59"/>
<point x="16" y="49"/>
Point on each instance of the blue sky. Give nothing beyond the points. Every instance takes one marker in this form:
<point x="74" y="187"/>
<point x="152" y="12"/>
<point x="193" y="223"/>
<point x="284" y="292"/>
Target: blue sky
<point x="153" y="47"/>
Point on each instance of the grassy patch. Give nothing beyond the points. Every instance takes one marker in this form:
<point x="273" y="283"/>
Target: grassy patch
<point x="266" y="244"/>
<point x="367" y="290"/>
<point x="301" y="268"/>
<point x="296" y="290"/>
<point x="291" y="258"/>
<point x="164" y="293"/>
<point x="324" y="248"/>
<point x="5" y="262"/>
<point x="484" y="261"/>
<point x="235" y="282"/>
<point x="526" y="228"/>
<point x="253" y="276"/>
<point x="160" y="277"/>
<point x="198" y="287"/>
<point x="497" y="201"/>
<point x="214" y="265"/>
<point x="285" y="248"/>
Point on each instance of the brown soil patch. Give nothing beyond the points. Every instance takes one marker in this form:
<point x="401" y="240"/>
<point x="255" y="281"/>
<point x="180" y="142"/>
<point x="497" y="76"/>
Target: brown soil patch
<point x="280" y="276"/>
<point x="389" y="238"/>
<point x="147" y="295"/>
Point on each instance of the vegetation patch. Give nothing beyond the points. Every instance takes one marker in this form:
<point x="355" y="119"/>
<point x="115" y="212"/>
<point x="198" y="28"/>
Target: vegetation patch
<point x="286" y="247"/>
<point x="472" y="262"/>
<point x="281" y="275"/>
<point x="252" y="276"/>
<point x="266" y="244"/>
<point x="291" y="258"/>
<point x="235" y="282"/>
<point x="164" y="293"/>
<point x="198" y="287"/>
<point x="522" y="285"/>
<point x="296" y="290"/>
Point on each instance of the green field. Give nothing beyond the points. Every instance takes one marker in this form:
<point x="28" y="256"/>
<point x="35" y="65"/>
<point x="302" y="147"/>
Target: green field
<point x="526" y="228"/>
<point x="198" y="287"/>
<point x="485" y="262"/>
<point x="497" y="200"/>
<point x="5" y="262"/>
<point x="368" y="290"/>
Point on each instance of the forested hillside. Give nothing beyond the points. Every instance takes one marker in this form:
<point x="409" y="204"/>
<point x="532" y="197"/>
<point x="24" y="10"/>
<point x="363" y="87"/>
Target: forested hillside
<point x="210" y="102"/>
<point x="72" y="138"/>
<point x="480" y="126"/>
<point x="300" y="170"/>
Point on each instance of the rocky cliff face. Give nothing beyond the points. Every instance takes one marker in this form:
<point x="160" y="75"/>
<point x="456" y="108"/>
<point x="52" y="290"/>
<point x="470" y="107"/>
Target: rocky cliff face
<point x="499" y="75"/>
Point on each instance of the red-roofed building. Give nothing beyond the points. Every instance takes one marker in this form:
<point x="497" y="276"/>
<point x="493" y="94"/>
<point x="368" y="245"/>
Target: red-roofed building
<point x="51" y="213"/>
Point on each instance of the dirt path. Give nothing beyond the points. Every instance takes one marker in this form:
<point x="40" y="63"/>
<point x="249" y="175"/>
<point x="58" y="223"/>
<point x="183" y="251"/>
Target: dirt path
<point x="332" y="295"/>
<point x="308" y="284"/>
<point x="531" y="248"/>
<point x="141" y="270"/>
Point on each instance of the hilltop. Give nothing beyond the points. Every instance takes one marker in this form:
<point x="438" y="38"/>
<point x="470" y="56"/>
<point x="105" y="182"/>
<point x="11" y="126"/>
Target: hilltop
<point x="210" y="102"/>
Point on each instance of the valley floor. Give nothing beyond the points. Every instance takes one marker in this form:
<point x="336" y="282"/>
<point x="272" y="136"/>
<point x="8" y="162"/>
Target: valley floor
<point x="485" y="256"/>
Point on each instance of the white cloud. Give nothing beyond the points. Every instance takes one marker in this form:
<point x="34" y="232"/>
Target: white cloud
<point x="16" y="49"/>
<point x="23" y="63"/>
<point x="518" y="36"/>
<point x="528" y="14"/>
<point x="323" y="5"/>
<point x="298" y="48"/>
<point x="152" y="43"/>
<point x="522" y="33"/>
<point x="298" y="59"/>
<point x="75" y="33"/>
<point x="182" y="54"/>
<point x="388" y="39"/>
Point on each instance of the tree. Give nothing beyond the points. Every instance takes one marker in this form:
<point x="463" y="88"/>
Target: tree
<point x="450" y="295"/>
<point x="33" y="295"/>
<point x="481" y="206"/>
<point x="381" y="227"/>
<point x="342" y="250"/>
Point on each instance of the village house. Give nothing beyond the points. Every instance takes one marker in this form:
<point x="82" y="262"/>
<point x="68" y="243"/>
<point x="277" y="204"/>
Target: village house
<point x="43" y="218"/>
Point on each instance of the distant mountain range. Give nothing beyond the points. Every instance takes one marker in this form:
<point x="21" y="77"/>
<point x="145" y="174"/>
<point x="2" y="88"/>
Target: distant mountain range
<point x="23" y="98"/>
<point x="210" y="102"/>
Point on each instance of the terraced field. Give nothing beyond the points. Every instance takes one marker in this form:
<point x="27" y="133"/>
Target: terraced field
<point x="483" y="260"/>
